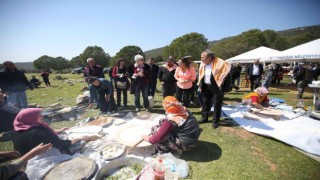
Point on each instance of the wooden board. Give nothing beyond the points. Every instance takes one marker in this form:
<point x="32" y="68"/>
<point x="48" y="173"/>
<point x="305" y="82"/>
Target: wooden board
<point x="268" y="113"/>
<point x="77" y="168"/>
<point x="131" y="134"/>
<point x="78" y="132"/>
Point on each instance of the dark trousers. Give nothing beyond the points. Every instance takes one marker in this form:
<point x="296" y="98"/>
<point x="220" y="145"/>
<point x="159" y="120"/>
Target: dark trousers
<point x="210" y="95"/>
<point x="46" y="81"/>
<point x="125" y="96"/>
<point x="255" y="81"/>
<point x="152" y="87"/>
<point x="106" y="106"/>
<point x="183" y="95"/>
<point x="194" y="90"/>
<point x="144" y="92"/>
<point x="168" y="89"/>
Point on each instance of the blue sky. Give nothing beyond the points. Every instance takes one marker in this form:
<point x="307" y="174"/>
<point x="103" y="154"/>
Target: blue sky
<point x="32" y="28"/>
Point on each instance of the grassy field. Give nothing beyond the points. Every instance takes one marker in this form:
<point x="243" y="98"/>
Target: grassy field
<point x="228" y="152"/>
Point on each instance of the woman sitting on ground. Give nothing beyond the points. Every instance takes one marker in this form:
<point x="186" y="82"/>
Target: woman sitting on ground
<point x="178" y="132"/>
<point x="258" y="98"/>
<point x="12" y="170"/>
<point x="30" y="131"/>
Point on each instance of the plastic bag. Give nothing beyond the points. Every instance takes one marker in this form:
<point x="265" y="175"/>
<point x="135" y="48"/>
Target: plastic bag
<point x="174" y="164"/>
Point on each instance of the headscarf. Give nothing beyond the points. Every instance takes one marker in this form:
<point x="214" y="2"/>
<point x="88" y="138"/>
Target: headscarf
<point x="261" y="91"/>
<point x="27" y="119"/>
<point x="174" y="110"/>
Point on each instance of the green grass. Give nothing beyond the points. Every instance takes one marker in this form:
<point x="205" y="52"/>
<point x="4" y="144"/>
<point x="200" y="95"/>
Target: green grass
<point x="223" y="153"/>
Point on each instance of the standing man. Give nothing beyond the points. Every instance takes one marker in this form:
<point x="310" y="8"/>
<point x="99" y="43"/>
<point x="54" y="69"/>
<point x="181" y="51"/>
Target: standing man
<point x="212" y="74"/>
<point x="14" y="82"/>
<point x="45" y="77"/>
<point x="154" y="69"/>
<point x="140" y="75"/>
<point x="96" y="71"/>
<point x="237" y="76"/>
<point x="166" y="77"/>
<point x="255" y="72"/>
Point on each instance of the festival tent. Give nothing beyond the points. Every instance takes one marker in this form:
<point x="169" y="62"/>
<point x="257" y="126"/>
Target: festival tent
<point x="308" y="52"/>
<point x="258" y="53"/>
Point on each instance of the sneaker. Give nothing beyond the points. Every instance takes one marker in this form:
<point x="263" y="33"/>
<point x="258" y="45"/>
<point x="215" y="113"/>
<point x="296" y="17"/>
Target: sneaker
<point x="147" y="110"/>
<point x="137" y="109"/>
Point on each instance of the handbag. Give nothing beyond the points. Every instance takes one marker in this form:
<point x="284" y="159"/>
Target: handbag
<point x="121" y="85"/>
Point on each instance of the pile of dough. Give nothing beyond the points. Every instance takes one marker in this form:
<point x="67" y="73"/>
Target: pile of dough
<point x="112" y="151"/>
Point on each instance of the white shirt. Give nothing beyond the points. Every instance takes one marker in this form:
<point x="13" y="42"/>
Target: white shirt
<point x="207" y="73"/>
<point x="255" y="70"/>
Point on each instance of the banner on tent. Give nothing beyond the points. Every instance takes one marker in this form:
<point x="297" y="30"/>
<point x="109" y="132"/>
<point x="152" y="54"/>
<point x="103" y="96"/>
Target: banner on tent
<point x="295" y="57"/>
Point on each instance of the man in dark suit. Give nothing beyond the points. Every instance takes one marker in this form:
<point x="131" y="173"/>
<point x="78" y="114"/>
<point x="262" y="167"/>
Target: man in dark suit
<point x="213" y="72"/>
<point x="255" y="72"/>
<point x="154" y="69"/>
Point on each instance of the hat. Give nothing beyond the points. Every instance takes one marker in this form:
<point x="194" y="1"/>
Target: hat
<point x="138" y="57"/>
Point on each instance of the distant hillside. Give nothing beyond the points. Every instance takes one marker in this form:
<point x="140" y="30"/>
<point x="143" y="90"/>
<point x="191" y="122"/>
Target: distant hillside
<point x="27" y="66"/>
<point x="291" y="34"/>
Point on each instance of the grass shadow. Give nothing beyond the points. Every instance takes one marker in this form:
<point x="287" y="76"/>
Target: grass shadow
<point x="203" y="152"/>
<point x="232" y="99"/>
<point x="274" y="94"/>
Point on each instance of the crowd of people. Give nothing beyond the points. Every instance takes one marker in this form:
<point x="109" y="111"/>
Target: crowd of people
<point x="180" y="81"/>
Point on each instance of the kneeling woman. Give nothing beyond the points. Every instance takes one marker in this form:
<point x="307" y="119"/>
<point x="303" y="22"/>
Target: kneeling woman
<point x="178" y="132"/>
<point x="30" y="131"/>
<point x="258" y="98"/>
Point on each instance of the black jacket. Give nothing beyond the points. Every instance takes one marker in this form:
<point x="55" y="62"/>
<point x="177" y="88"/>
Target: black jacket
<point x="154" y="70"/>
<point x="139" y="82"/>
<point x="24" y="141"/>
<point x="13" y="81"/>
<point x="250" y="70"/>
<point x="166" y="76"/>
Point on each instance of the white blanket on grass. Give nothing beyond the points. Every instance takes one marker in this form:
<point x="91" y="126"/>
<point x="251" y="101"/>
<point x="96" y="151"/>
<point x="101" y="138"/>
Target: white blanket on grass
<point x="301" y="132"/>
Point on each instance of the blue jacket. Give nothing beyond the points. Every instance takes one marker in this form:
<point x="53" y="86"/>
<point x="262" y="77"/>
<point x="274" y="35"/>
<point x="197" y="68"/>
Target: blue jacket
<point x="13" y="81"/>
<point x="105" y="87"/>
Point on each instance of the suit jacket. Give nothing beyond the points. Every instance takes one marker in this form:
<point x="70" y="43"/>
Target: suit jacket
<point x="250" y="70"/>
<point x="220" y="70"/>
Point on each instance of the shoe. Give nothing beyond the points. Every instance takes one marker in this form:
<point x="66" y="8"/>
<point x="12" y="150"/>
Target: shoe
<point x="97" y="107"/>
<point x="137" y="109"/>
<point x="147" y="110"/>
<point x="203" y="121"/>
<point x="192" y="103"/>
<point x="215" y="125"/>
<point x="107" y="113"/>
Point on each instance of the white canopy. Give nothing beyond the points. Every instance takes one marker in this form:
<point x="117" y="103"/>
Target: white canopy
<point x="305" y="52"/>
<point x="248" y="57"/>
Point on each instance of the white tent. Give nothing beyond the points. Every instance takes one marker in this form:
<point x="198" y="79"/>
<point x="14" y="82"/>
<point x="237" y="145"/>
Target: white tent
<point x="305" y="52"/>
<point x="258" y="53"/>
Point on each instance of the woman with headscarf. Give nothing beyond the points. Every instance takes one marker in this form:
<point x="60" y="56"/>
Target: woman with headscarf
<point x="258" y="98"/>
<point x="30" y="131"/>
<point x="178" y="132"/>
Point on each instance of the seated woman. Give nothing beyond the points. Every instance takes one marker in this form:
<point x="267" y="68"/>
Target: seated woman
<point x="12" y="170"/>
<point x="258" y="98"/>
<point x="178" y="132"/>
<point x="31" y="131"/>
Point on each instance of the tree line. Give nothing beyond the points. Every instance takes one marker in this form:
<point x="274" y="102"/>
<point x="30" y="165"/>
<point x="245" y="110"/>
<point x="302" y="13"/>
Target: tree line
<point x="191" y="44"/>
